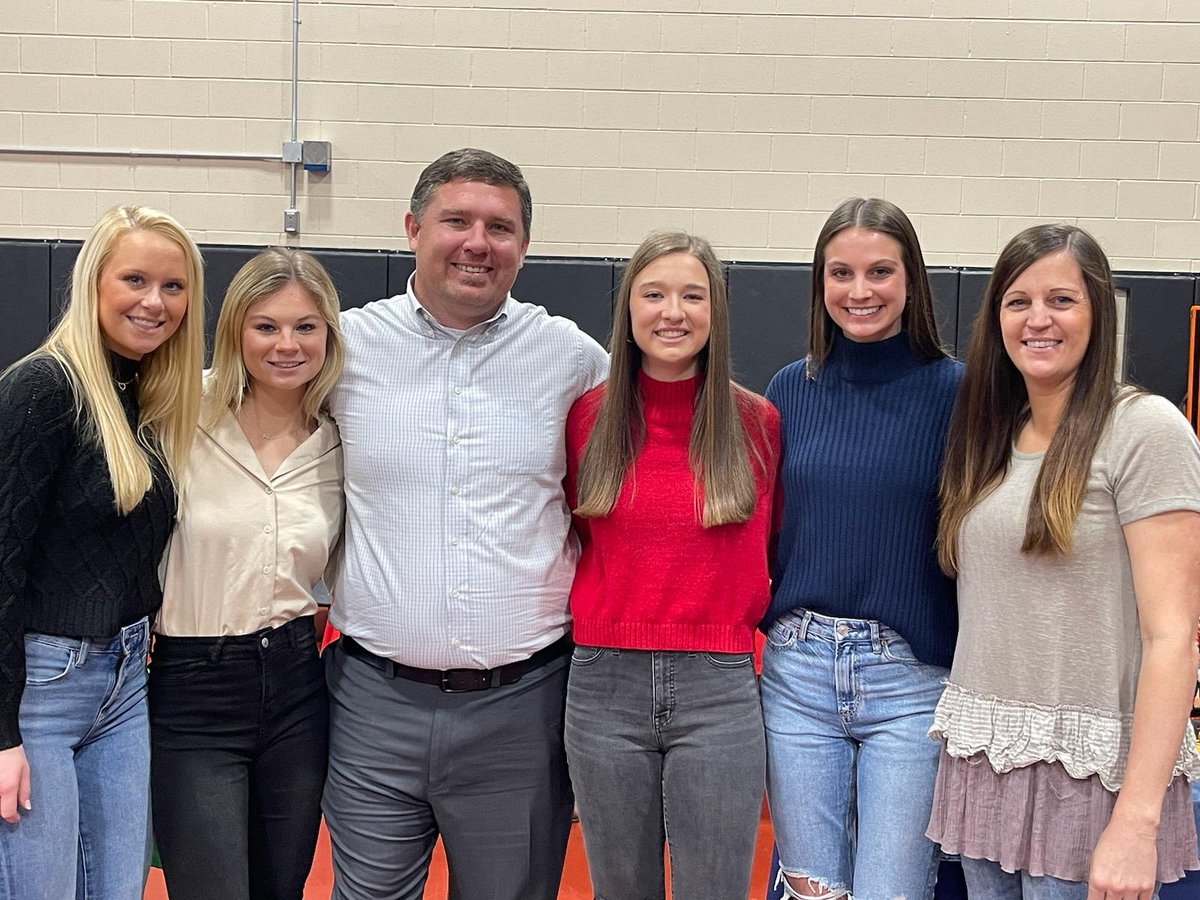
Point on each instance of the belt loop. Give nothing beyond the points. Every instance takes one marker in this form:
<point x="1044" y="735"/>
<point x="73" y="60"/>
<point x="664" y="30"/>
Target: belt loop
<point x="802" y="631"/>
<point x="84" y="643"/>
<point x="214" y="655"/>
<point x="876" y="640"/>
<point x="495" y="679"/>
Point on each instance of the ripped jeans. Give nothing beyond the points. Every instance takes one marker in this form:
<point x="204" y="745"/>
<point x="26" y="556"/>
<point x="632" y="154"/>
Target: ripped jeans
<point x="850" y="765"/>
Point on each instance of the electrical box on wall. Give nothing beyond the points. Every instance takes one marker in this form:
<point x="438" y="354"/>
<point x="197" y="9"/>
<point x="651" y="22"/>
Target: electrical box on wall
<point x="317" y="156"/>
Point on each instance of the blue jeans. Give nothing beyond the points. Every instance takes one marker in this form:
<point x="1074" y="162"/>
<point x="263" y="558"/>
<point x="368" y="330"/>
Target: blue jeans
<point x="666" y="746"/>
<point x="85" y="733"/>
<point x="850" y="765"/>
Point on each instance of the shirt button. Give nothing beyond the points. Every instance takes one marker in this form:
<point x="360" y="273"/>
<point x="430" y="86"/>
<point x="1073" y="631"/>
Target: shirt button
<point x="266" y="570"/>
<point x="266" y="529"/>
<point x="456" y="642"/>
<point x="454" y="542"/>
<point x="268" y="490"/>
<point x="454" y="440"/>
<point x="458" y="390"/>
<point x="454" y="594"/>
<point x="266" y="643"/>
<point x="454" y="490"/>
<point x="262" y="611"/>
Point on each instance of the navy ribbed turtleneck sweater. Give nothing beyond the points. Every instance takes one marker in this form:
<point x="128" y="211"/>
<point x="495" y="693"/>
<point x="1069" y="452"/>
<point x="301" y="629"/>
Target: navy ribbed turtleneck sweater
<point x="862" y="447"/>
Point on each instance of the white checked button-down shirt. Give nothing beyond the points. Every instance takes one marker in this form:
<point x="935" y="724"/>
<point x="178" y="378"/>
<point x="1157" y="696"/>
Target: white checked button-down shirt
<point x="458" y="551"/>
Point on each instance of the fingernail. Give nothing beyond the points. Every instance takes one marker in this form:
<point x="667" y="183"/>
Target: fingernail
<point x="28" y="806"/>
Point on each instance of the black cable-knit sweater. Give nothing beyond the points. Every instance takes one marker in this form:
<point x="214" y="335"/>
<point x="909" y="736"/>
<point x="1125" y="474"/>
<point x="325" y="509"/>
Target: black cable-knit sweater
<point x="70" y="563"/>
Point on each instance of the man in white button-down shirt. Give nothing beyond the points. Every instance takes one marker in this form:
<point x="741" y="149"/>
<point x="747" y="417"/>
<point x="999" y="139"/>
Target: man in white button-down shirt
<point x="448" y="684"/>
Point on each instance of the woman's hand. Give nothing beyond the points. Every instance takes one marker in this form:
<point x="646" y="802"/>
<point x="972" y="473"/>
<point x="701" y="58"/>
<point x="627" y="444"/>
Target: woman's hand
<point x="1124" y="863"/>
<point x="14" y="784"/>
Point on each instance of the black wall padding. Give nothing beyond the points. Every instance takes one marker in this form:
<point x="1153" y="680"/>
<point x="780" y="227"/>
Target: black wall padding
<point x="971" y="284"/>
<point x="580" y="289"/>
<point x="944" y="284"/>
<point x="1156" y="331"/>
<point x="24" y="297"/>
<point x="768" y="312"/>
<point x="769" y="303"/>
<point x="62" y="257"/>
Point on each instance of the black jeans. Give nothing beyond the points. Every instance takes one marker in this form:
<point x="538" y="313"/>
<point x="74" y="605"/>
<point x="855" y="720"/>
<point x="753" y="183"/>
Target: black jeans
<point x="239" y="738"/>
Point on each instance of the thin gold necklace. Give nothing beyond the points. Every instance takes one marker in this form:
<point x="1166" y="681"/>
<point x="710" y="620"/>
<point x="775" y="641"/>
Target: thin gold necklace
<point x="257" y="426"/>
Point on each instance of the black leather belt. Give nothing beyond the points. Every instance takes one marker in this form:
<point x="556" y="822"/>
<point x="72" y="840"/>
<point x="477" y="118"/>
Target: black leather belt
<point x="457" y="681"/>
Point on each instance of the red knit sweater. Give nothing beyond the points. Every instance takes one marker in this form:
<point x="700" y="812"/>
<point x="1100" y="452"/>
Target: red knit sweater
<point x="650" y="576"/>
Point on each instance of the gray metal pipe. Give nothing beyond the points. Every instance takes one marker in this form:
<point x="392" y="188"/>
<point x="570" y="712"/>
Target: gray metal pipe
<point x="142" y="154"/>
<point x="295" y="93"/>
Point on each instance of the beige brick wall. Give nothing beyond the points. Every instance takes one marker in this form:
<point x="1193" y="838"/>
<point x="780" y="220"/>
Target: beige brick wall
<point x="744" y="119"/>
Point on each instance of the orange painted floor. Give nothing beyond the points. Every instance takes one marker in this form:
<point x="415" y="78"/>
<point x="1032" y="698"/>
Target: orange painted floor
<point x="575" y="884"/>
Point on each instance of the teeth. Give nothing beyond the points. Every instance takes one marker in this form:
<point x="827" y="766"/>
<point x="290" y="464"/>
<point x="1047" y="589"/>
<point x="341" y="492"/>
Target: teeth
<point x="670" y="334"/>
<point x="863" y="310"/>
<point x="1042" y="344"/>
<point x="472" y="270"/>
<point x="143" y="323"/>
<point x="287" y="365"/>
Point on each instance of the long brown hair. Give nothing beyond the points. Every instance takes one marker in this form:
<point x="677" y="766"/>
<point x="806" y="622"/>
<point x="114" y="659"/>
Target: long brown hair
<point x="717" y="450"/>
<point x="884" y="217"/>
<point x="993" y="403"/>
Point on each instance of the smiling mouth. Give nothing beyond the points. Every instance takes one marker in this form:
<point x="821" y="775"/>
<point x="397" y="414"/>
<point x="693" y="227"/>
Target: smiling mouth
<point x="863" y="311"/>
<point x="472" y="270"/>
<point x="671" y="333"/>
<point x="144" y="324"/>
<point x="1041" y="344"/>
<point x="286" y="365"/>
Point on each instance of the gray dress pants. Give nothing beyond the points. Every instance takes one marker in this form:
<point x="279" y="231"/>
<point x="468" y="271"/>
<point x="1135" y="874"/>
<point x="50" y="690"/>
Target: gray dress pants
<point x="485" y="770"/>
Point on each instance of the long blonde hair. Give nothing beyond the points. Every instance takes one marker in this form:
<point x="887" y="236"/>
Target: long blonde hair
<point x="266" y="274"/>
<point x="169" y="377"/>
<point x="993" y="403"/>
<point x="717" y="449"/>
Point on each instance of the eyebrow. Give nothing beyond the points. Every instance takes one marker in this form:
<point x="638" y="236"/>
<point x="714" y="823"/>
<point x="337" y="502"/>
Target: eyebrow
<point x="466" y="214"/>
<point x="267" y="318"/>
<point x="692" y="285"/>
<point x="884" y="259"/>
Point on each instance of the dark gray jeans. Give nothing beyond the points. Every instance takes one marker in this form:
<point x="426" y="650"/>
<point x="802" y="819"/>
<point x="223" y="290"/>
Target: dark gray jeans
<point x="666" y="746"/>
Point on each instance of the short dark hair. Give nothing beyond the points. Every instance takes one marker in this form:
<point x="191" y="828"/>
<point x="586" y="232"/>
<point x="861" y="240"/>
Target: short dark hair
<point x="470" y="164"/>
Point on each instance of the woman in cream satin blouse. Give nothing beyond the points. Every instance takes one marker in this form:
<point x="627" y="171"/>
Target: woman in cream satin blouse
<point x="237" y="698"/>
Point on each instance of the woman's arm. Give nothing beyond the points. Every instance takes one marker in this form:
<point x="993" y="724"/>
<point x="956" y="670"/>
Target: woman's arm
<point x="36" y="426"/>
<point x="1164" y="554"/>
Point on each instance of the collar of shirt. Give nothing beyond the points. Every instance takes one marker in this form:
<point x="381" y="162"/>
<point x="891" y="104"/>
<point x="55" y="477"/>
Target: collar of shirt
<point x="227" y="434"/>
<point x="481" y="333"/>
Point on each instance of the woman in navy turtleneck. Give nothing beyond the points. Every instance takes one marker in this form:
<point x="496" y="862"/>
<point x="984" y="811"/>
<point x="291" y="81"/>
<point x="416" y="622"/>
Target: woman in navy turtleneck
<point x="862" y="623"/>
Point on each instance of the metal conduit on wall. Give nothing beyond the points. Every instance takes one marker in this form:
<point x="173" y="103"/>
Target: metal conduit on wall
<point x="313" y="155"/>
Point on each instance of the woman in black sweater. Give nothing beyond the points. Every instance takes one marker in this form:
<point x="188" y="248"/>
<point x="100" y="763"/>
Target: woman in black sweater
<point x="95" y="427"/>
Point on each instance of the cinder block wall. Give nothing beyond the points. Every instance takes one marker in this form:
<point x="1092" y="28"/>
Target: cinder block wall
<point x="746" y="120"/>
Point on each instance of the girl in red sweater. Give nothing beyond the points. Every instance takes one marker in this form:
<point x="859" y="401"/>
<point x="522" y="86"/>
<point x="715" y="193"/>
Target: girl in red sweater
<point x="671" y="474"/>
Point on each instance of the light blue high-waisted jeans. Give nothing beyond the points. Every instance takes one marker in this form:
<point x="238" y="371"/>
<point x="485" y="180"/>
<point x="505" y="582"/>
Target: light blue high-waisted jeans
<point x="850" y="765"/>
<point x="86" y="736"/>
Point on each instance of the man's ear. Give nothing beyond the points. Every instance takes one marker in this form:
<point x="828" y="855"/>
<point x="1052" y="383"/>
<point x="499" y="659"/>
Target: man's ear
<point x="411" y="227"/>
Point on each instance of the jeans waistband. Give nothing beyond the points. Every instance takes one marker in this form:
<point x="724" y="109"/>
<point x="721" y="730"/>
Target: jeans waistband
<point x="809" y="624"/>
<point x="297" y="634"/>
<point x="131" y="640"/>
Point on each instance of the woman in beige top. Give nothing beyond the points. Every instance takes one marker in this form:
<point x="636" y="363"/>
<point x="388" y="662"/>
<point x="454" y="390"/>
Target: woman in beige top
<point x="237" y="700"/>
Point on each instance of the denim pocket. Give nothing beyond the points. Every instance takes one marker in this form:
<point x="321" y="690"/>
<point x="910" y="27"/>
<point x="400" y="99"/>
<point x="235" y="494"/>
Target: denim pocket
<point x="585" y="656"/>
<point x="728" y="660"/>
<point x="896" y="649"/>
<point x="781" y="636"/>
<point x="179" y="667"/>
<point x="47" y="661"/>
